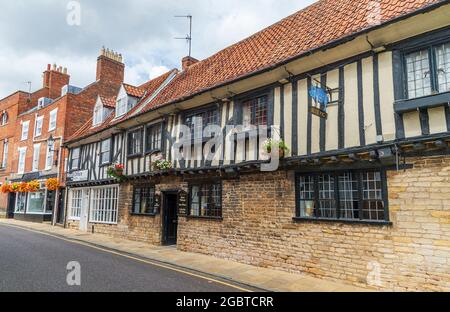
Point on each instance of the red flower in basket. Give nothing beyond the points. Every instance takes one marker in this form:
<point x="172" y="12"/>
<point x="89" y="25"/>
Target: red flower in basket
<point x="120" y="167"/>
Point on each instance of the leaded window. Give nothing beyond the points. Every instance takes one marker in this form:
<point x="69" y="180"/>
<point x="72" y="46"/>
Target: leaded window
<point x="153" y="138"/>
<point x="135" y="143"/>
<point x="427" y="71"/>
<point x="255" y="111"/>
<point x="347" y="195"/>
<point x="143" y="200"/>
<point x="200" y="120"/>
<point x="206" y="200"/>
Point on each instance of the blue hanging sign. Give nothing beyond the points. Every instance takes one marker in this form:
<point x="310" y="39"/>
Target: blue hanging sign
<point x="320" y="96"/>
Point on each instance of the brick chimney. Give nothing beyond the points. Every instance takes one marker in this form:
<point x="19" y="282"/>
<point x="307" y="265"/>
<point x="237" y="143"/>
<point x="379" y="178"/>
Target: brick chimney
<point x="54" y="79"/>
<point x="188" y="61"/>
<point x="110" y="67"/>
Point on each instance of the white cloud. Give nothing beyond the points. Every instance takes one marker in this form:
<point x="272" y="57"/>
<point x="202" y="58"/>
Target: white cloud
<point x="36" y="33"/>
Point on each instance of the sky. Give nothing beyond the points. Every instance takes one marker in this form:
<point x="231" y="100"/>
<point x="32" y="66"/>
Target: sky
<point x="71" y="34"/>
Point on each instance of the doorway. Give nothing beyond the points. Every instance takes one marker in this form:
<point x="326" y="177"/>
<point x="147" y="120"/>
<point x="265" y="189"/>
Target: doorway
<point x="170" y="220"/>
<point x="84" y="214"/>
<point x="11" y="205"/>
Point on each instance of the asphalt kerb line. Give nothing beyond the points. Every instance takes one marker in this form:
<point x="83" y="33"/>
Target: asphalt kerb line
<point x="159" y="263"/>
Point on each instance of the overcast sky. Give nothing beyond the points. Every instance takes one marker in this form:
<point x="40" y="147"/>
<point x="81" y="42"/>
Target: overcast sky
<point x="35" y="33"/>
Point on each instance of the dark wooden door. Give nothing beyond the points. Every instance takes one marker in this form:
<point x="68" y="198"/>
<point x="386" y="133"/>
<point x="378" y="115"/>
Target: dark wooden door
<point x="170" y="218"/>
<point x="11" y="205"/>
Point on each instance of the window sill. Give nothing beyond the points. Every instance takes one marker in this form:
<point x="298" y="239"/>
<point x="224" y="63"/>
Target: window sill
<point x="205" y="218"/>
<point x="134" y="214"/>
<point x="319" y="220"/>
<point x="105" y="164"/>
<point x="429" y="101"/>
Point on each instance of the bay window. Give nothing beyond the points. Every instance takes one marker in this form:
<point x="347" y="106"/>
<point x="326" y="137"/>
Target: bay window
<point x="350" y="195"/>
<point x="205" y="200"/>
<point x="143" y="200"/>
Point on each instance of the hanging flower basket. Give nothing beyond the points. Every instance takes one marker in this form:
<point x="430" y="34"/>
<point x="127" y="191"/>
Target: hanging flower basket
<point x="14" y="187"/>
<point x="52" y="184"/>
<point x="271" y="144"/>
<point x="23" y="187"/>
<point x="116" y="172"/>
<point x="6" y="188"/>
<point x="162" y="165"/>
<point x="33" y="186"/>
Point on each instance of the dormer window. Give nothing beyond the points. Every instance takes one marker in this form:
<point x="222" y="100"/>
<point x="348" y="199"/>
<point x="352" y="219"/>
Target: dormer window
<point x="121" y="107"/>
<point x="98" y="115"/>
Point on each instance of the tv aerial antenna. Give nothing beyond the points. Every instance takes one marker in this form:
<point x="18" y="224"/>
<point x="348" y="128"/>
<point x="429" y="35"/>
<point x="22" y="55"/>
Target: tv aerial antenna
<point x="188" y="37"/>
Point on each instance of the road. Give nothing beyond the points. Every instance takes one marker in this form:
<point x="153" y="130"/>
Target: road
<point x="31" y="261"/>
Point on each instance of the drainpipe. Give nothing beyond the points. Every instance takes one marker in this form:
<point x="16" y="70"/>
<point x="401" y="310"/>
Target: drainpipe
<point x="58" y="176"/>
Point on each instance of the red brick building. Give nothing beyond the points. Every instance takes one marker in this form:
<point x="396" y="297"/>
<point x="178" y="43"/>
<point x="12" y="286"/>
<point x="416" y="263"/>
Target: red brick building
<point x="38" y="124"/>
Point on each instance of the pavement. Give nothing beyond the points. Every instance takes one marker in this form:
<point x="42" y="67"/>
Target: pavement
<point x="117" y="262"/>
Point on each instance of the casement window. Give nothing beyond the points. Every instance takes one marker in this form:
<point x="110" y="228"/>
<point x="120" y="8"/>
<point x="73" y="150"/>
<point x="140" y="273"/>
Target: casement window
<point x="36" y="154"/>
<point x="52" y="120"/>
<point x="5" y="155"/>
<point x="36" y="202"/>
<point x="98" y="115"/>
<point x="348" y="195"/>
<point x="3" y="119"/>
<point x="105" y="152"/>
<point x="135" y="143"/>
<point x="76" y="201"/>
<point x="21" y="203"/>
<point x="205" y="200"/>
<point x="254" y="111"/>
<point x="428" y="71"/>
<point x="121" y="106"/>
<point x="143" y="200"/>
<point x="153" y="138"/>
<point x="198" y="121"/>
<point x="38" y="126"/>
<point x="21" y="164"/>
<point x="75" y="159"/>
<point x="49" y="156"/>
<point x="104" y="205"/>
<point x="25" y="129"/>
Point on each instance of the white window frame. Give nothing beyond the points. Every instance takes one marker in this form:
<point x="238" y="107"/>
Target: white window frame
<point x="77" y="166"/>
<point x="5" y="154"/>
<point x="75" y="204"/>
<point x="104" y="152"/>
<point x="40" y="122"/>
<point x="17" y="201"/>
<point x="104" y="205"/>
<point x="4" y="118"/>
<point x="25" y="130"/>
<point x="98" y="115"/>
<point x="43" y="212"/>
<point x="50" y="153"/>
<point x="36" y="156"/>
<point x="121" y="106"/>
<point x="21" y="162"/>
<point x="53" y="119"/>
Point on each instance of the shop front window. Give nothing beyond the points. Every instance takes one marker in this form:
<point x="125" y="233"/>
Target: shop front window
<point x="36" y="202"/>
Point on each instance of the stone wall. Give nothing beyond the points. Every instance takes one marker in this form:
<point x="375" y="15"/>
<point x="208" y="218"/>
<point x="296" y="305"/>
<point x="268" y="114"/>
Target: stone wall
<point x="411" y="254"/>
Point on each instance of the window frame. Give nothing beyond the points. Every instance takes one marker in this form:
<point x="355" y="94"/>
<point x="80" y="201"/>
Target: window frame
<point x="141" y="143"/>
<point x="199" y="111"/>
<point x="143" y="187"/>
<point x="36" y="158"/>
<point x="39" y="120"/>
<point x="4" y="162"/>
<point x="72" y="168"/>
<point x="77" y="210"/>
<point x="99" y="205"/>
<point x="360" y="187"/>
<point x="4" y="118"/>
<point x="149" y="144"/>
<point x="106" y="163"/>
<point x="21" y="169"/>
<point x="431" y="46"/>
<point x="98" y="113"/>
<point x="53" y="117"/>
<point x="49" y="151"/>
<point x="118" y="112"/>
<point x="201" y="184"/>
<point x="24" y="134"/>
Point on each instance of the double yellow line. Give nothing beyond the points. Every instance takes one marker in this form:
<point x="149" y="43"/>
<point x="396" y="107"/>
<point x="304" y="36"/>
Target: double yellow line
<point x="133" y="258"/>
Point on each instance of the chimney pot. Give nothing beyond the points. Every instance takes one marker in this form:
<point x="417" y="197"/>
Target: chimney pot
<point x="49" y="66"/>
